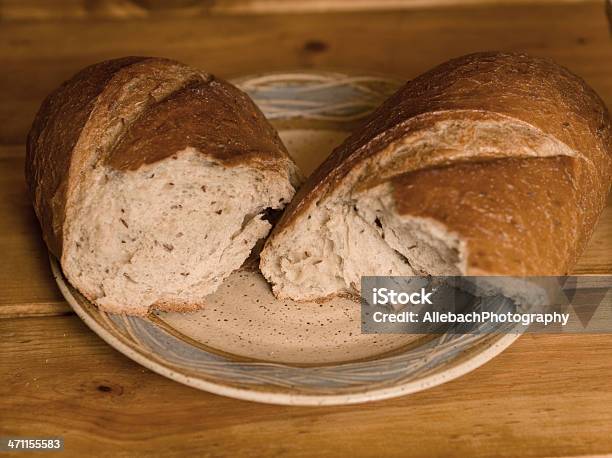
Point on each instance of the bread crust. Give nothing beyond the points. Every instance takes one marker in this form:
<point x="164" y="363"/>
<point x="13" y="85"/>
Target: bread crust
<point x="51" y="141"/>
<point x="546" y="176"/>
<point x="236" y="130"/>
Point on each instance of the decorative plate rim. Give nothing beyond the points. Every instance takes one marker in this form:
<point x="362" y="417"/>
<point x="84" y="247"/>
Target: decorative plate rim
<point x="430" y="381"/>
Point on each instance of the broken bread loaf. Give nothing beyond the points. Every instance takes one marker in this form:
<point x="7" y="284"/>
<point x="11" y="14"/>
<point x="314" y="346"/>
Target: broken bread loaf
<point x="491" y="163"/>
<point x="151" y="181"/>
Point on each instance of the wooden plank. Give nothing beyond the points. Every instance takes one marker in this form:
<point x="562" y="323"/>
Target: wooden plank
<point x="326" y="6"/>
<point x="20" y="10"/>
<point x="27" y="284"/>
<point x="544" y="396"/>
<point x="38" y="56"/>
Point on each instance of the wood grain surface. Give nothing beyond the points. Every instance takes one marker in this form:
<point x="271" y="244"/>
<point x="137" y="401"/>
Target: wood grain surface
<point x="545" y="396"/>
<point x="38" y="55"/>
<point x="123" y="9"/>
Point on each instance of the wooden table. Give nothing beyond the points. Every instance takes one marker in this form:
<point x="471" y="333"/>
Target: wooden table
<point x="545" y="396"/>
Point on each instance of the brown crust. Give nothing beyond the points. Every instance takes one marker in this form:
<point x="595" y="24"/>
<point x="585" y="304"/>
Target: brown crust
<point x="160" y="306"/>
<point x="178" y="306"/>
<point x="133" y="111"/>
<point x="235" y="129"/>
<point x="517" y="215"/>
<point x="52" y="138"/>
<point x="544" y="235"/>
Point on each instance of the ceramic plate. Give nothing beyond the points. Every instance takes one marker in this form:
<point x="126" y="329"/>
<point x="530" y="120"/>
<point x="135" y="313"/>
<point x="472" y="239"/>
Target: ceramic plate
<point x="248" y="345"/>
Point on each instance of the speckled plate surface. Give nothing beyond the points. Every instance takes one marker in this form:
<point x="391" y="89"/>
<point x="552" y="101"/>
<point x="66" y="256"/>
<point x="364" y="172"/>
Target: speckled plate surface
<point x="248" y="345"/>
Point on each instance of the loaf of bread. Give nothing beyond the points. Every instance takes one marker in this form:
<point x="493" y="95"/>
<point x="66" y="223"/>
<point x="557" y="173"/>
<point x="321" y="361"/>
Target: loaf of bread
<point x="151" y="181"/>
<point x="489" y="164"/>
